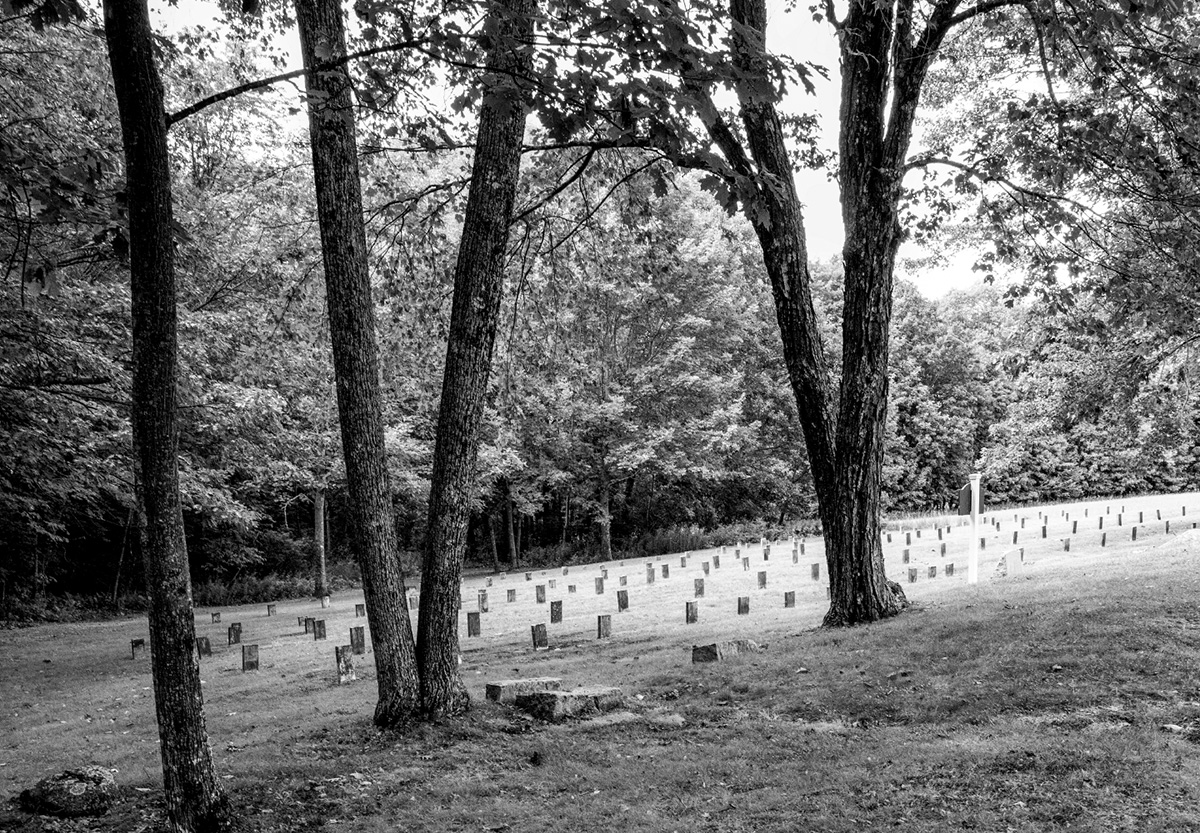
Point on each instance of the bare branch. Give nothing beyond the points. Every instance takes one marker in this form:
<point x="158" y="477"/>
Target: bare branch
<point x="984" y="8"/>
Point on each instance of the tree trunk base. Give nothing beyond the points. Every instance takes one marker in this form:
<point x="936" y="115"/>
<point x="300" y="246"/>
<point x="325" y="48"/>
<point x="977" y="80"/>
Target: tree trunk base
<point x="456" y="702"/>
<point x="395" y="712"/>
<point x="893" y="605"/>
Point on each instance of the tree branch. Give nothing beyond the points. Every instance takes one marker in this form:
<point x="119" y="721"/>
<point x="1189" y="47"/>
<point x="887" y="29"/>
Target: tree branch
<point x="983" y="176"/>
<point x="984" y="8"/>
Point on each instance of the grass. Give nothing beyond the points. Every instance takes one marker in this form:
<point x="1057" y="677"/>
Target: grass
<point x="1022" y="704"/>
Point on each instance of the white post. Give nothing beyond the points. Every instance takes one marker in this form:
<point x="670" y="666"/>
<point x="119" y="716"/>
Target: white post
<point x="973" y="557"/>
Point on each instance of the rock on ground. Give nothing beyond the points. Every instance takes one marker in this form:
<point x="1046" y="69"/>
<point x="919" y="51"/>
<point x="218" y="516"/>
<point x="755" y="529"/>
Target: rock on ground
<point x="556" y="706"/>
<point x="76" y="792"/>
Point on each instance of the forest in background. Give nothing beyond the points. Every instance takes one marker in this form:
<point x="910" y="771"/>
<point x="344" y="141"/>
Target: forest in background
<point x="639" y="402"/>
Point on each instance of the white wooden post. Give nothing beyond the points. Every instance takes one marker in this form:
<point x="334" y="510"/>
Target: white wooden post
<point x="973" y="557"/>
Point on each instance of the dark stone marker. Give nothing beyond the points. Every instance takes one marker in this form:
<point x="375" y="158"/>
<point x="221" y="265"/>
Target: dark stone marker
<point x="318" y="629"/>
<point x="1101" y="523"/>
<point x="512" y="595"/>
<point x="1022" y="523"/>
<point x="918" y="533"/>
<point x="698" y="588"/>
<point x="716" y="562"/>
<point x="904" y="557"/>
<point x="802" y="548"/>
<point x="216" y="617"/>
<point x="816" y="571"/>
<point x="908" y="538"/>
<point x="473" y="623"/>
<point x="912" y="575"/>
<point x="795" y="556"/>
<point x="1103" y="538"/>
<point x="1067" y="545"/>
<point x="553" y="583"/>
<point x="622" y="601"/>
<point x="933" y="571"/>
<point x="889" y="537"/>
<point x="789" y="598"/>
<point x="943" y="550"/>
<point x="983" y="542"/>
<point x="1158" y="514"/>
<point x="743" y="605"/>
<point x="666" y="571"/>
<point x="766" y="553"/>
<point x="529" y="576"/>
<point x="235" y="635"/>
<point x="566" y="570"/>
<point x="600" y="585"/>
<point x="1118" y="519"/>
<point x="1074" y="527"/>
<point x="1043" y="532"/>
<point x="604" y="626"/>
<point x="1014" y="537"/>
<point x="539" y="594"/>
<point x="487" y="582"/>
<point x="950" y="569"/>
<point x="358" y="636"/>
<point x="1133" y="536"/>
<point x="360" y="610"/>
<point x="300" y="621"/>
<point x="691" y="614"/>
<point x="249" y="657"/>
<point x="271" y="610"/>
<point x="203" y="647"/>
<point x="344" y="657"/>
<point x="483" y="601"/>
<point x="136" y="645"/>
<point x="413" y="601"/>
<point x="604" y="574"/>
<point x="704" y="565"/>
<point x="1140" y="519"/>
<point x="939" y="533"/>
<point x="649" y="574"/>
<point x="570" y="588"/>
<point x="762" y="579"/>
<point x="309" y="624"/>
<point x="745" y="565"/>
<point x="1168" y="527"/>
<point x="555" y="613"/>
<point x="540" y="640"/>
<point x="682" y="562"/>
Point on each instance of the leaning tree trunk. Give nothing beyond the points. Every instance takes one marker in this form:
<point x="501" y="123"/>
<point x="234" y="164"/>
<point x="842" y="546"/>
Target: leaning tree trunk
<point x="356" y="359"/>
<point x="321" y="584"/>
<point x="474" y="315"/>
<point x="195" y="801"/>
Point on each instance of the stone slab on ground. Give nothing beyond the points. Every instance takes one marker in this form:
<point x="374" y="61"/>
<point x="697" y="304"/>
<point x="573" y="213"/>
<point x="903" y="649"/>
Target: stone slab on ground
<point x="717" y="651"/>
<point x="76" y="792"/>
<point x="506" y="691"/>
<point x="556" y="706"/>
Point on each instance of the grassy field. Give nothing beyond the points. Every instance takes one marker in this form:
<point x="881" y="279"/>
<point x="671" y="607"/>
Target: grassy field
<point x="1065" y="696"/>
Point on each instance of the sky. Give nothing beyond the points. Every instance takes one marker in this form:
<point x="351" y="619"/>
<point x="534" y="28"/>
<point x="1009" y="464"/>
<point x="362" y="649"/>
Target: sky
<point x="791" y="32"/>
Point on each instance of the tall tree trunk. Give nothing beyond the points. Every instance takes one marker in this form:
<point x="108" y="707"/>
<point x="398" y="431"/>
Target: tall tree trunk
<point x="491" y="525"/>
<point x="566" y="517"/>
<point x="604" y="514"/>
<point x="474" y="316"/>
<point x="513" y="551"/>
<point x="321" y="583"/>
<point x="195" y="801"/>
<point x="355" y="358"/>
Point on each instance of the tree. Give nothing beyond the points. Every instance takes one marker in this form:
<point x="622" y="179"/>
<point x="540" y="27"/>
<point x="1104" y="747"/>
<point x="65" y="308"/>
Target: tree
<point x="355" y="357"/>
<point x="195" y="801"/>
<point x="474" y="317"/>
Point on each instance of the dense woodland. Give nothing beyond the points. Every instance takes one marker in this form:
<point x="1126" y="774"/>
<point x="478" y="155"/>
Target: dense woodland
<point x="639" y="400"/>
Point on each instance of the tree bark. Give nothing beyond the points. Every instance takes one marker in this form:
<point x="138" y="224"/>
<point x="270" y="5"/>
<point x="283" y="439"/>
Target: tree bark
<point x="474" y="317"/>
<point x="513" y="552"/>
<point x="195" y="801"/>
<point x="321" y="584"/>
<point x="604" y="514"/>
<point x="491" y="525"/>
<point x="356" y="359"/>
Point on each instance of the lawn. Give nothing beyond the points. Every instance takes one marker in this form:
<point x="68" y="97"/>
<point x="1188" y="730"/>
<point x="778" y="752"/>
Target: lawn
<point x="1063" y="697"/>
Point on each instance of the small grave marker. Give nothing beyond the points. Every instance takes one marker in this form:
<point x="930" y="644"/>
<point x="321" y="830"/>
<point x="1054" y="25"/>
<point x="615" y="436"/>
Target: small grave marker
<point x="1043" y="531"/>
<point x="529" y="576"/>
<point x="318" y="629"/>
<point x="716" y="562"/>
<point x="940" y="533"/>
<point x="511" y="595"/>
<point x="473" y="624"/>
<point x="539" y="593"/>
<point x="540" y="641"/>
<point x="691" y="613"/>
<point x="789" y="598"/>
<point x="912" y="575"/>
<point x="216" y="617"/>
<point x="698" y="588"/>
<point x="599" y="586"/>
<point x="1067" y="545"/>
<point x="604" y="626"/>
<point x="358" y="637"/>
<point x="344" y="657"/>
<point x="666" y="571"/>
<point x="483" y="601"/>
<point x="1014" y="537"/>
<point x="249" y="658"/>
<point x="360" y="610"/>
<point x="943" y="552"/>
<point x="949" y="569"/>
<point x="908" y="539"/>
<point x="309" y="624"/>
<point x="622" y="601"/>
<point x="762" y="579"/>
<point x="235" y="633"/>
<point x="271" y="610"/>
<point x="704" y="565"/>
<point x="904" y="557"/>
<point x="203" y="646"/>
<point x="815" y="570"/>
<point x="324" y="602"/>
<point x="300" y="622"/>
<point x="570" y="588"/>
<point x="682" y="562"/>
<point x="1133" y="536"/>
<point x="413" y="601"/>
<point x="1103" y="538"/>
<point x="555" y="613"/>
<point x="745" y="565"/>
<point x="553" y="583"/>
<point x="933" y="571"/>
<point x="743" y="605"/>
<point x="136" y="645"/>
<point x="649" y="574"/>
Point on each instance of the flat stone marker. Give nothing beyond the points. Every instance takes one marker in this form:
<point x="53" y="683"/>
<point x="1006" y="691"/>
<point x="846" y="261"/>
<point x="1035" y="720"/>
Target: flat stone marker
<point x="358" y="639"/>
<point x="743" y="605"/>
<point x="216" y="617"/>
<point x="203" y="647"/>
<point x="789" y="598"/>
<point x="271" y="610"/>
<point x="540" y="640"/>
<point x="599" y="586"/>
<point x="235" y="635"/>
<point x="698" y="588"/>
<point x="557" y="706"/>
<point x="815" y="569"/>
<point x="483" y="601"/>
<point x="344" y="656"/>
<point x="318" y="629"/>
<point x="762" y="579"/>
<point x="360" y="610"/>
<point x="555" y="613"/>
<point x="622" y="601"/>
<point x="473" y="623"/>
<point x="604" y="626"/>
<point x="512" y="595"/>
<point x="704" y="566"/>
<point x="249" y="658"/>
<point x="691" y="613"/>
<point x="723" y="650"/>
<point x="136" y="645"/>
<point x="539" y="594"/>
<point x="506" y="691"/>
